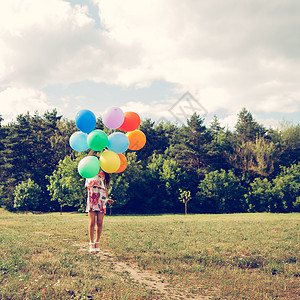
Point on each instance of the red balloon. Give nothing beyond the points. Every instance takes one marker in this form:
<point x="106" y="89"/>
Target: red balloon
<point x="131" y="121"/>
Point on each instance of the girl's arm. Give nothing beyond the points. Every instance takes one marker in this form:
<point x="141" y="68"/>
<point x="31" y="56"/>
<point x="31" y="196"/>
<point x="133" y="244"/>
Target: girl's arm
<point x="110" y="201"/>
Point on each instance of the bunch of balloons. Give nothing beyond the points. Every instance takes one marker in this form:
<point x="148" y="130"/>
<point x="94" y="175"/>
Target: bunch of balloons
<point x="112" y="159"/>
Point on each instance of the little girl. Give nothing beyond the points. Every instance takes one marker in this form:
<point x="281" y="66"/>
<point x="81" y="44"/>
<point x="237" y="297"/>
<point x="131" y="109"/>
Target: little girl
<point x="96" y="206"/>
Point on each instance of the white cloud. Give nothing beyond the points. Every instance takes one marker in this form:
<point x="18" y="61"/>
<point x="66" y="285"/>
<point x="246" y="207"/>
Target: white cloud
<point x="174" y="110"/>
<point x="161" y="110"/>
<point x="229" y="121"/>
<point x="230" y="49"/>
<point x="268" y="122"/>
<point x="229" y="54"/>
<point x="154" y="110"/>
<point x="14" y="102"/>
<point x="44" y="43"/>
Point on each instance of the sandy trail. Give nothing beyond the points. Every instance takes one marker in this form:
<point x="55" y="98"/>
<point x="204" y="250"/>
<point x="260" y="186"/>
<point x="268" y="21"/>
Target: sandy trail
<point x="150" y="279"/>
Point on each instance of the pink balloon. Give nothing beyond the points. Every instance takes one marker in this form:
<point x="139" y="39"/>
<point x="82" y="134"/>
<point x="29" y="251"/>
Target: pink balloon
<point x="113" y="117"/>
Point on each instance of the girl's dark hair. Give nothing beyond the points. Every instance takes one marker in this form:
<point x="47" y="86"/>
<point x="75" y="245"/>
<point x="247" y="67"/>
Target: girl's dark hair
<point x="107" y="178"/>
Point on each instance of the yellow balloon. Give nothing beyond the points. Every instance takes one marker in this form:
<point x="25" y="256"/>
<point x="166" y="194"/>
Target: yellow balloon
<point x="109" y="161"/>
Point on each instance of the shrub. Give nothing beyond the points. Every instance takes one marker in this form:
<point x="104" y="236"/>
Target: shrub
<point x="221" y="192"/>
<point x="27" y="195"/>
<point x="286" y="189"/>
<point x="260" y="197"/>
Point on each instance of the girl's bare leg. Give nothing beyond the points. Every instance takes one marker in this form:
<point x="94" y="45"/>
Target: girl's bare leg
<point x="92" y="217"/>
<point x="100" y="217"/>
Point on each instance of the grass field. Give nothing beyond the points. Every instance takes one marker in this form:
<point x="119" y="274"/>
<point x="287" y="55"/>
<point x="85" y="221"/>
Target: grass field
<point x="235" y="256"/>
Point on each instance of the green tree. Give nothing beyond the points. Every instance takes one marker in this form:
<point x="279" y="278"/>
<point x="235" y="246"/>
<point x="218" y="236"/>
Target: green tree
<point x="147" y="127"/>
<point x="256" y="157"/>
<point x="286" y="189"/>
<point x="247" y="128"/>
<point x="29" y="153"/>
<point x="1" y="196"/>
<point x="221" y="192"/>
<point x="190" y="148"/>
<point x="221" y="143"/>
<point x="196" y="153"/>
<point x="164" y="132"/>
<point x="158" y="138"/>
<point x="279" y="195"/>
<point x="119" y="192"/>
<point x="99" y="124"/>
<point x="43" y="154"/>
<point x="184" y="197"/>
<point x="260" y="196"/>
<point x="15" y="165"/>
<point x="59" y="140"/>
<point x="164" y="176"/>
<point x="66" y="186"/>
<point x="119" y="189"/>
<point x="290" y="144"/>
<point x="27" y="195"/>
<point x="3" y="173"/>
<point x="129" y="189"/>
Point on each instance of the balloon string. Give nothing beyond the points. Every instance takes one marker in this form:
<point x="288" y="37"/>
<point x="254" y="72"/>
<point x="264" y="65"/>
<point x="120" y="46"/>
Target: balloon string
<point x="91" y="153"/>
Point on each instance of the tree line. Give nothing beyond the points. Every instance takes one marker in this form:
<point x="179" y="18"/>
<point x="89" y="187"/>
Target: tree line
<point x="192" y="167"/>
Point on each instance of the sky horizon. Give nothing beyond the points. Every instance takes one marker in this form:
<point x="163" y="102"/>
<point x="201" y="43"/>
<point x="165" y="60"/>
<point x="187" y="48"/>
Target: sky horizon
<point x="161" y="59"/>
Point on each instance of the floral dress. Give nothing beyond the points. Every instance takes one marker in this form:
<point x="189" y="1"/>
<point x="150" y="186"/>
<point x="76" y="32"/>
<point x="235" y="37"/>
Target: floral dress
<point x="97" y="195"/>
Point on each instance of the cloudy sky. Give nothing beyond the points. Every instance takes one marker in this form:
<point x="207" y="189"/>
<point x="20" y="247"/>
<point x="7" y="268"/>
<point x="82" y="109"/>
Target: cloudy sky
<point x="144" y="56"/>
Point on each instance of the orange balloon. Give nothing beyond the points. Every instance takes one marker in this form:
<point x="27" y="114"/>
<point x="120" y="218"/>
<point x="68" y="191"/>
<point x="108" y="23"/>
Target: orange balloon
<point x="123" y="164"/>
<point x="137" y="139"/>
<point x="131" y="121"/>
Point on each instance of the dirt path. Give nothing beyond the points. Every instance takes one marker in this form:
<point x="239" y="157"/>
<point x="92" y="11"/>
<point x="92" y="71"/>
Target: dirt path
<point x="150" y="279"/>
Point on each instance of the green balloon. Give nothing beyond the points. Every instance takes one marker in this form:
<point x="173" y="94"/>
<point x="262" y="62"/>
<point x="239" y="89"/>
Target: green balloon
<point x="89" y="166"/>
<point x="97" y="140"/>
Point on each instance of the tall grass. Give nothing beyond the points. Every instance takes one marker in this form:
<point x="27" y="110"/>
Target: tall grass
<point x="240" y="256"/>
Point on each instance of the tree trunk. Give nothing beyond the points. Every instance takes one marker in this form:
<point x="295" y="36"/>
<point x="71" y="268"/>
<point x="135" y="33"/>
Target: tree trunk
<point x="61" y="209"/>
<point x="185" y="208"/>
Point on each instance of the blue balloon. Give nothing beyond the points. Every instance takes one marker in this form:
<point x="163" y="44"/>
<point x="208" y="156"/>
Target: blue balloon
<point x="78" y="141"/>
<point x="118" y="142"/>
<point x="85" y="121"/>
